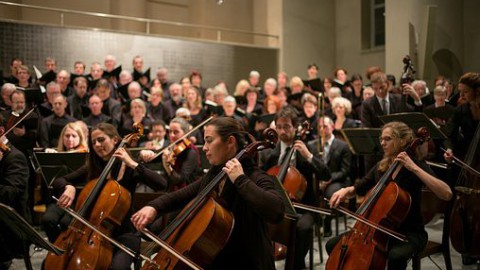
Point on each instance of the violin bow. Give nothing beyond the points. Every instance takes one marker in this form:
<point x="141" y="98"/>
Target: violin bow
<point x="462" y="164"/>
<point x="391" y="233"/>
<point x="85" y="222"/>
<point x="183" y="137"/>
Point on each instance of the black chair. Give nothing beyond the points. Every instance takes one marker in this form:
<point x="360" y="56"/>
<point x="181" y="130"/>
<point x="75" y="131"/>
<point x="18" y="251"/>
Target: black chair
<point x="434" y="247"/>
<point x="285" y="233"/>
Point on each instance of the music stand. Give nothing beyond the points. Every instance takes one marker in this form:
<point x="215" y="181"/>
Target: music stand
<point x="16" y="227"/>
<point x="415" y="120"/>
<point x="53" y="165"/>
<point x="363" y="141"/>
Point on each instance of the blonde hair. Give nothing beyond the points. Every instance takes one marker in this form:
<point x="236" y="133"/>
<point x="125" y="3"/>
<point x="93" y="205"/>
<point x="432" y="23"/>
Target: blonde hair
<point x="296" y="81"/>
<point x="78" y="129"/>
<point x="402" y="135"/>
<point x="139" y="102"/>
<point x="242" y="84"/>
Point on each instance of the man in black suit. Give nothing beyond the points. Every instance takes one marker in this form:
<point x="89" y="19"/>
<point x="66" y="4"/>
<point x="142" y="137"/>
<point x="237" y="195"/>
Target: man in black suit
<point x="338" y="158"/>
<point x="13" y="192"/>
<point x="383" y="102"/>
<point x="308" y="163"/>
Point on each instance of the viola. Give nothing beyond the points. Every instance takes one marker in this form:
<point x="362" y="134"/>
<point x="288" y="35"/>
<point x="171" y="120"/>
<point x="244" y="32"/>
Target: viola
<point x="104" y="203"/>
<point x="366" y="245"/>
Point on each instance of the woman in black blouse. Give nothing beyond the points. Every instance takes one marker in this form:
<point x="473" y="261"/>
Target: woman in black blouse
<point x="413" y="173"/>
<point x="248" y="192"/>
<point x="103" y="141"/>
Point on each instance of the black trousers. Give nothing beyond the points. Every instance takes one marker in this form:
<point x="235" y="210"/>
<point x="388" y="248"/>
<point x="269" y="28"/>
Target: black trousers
<point x="54" y="221"/>
<point x="303" y="239"/>
<point x="399" y="253"/>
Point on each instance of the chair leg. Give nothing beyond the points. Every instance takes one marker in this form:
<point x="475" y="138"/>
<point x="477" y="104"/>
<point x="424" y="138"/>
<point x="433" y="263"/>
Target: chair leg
<point x="310" y="253"/>
<point x="416" y="262"/>
<point x="448" y="259"/>
<point x="319" y="238"/>
<point x="26" y="258"/>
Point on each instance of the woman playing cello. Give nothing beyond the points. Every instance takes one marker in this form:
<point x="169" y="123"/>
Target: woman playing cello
<point x="248" y="193"/>
<point x="410" y="177"/>
<point x="104" y="139"/>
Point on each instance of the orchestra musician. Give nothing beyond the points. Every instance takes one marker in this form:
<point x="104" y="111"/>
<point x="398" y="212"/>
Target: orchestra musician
<point x="462" y="126"/>
<point x="249" y="193"/>
<point x="14" y="176"/>
<point x="307" y="161"/>
<point x="104" y="139"/>
<point x="410" y="176"/>
<point x="72" y="139"/>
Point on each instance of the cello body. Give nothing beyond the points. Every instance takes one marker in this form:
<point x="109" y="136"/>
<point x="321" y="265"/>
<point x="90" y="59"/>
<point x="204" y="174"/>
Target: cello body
<point x="364" y="247"/>
<point x="200" y="238"/>
<point x="293" y="181"/>
<point x="85" y="249"/>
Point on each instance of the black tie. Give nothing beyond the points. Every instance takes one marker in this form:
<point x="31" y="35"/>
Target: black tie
<point x="285" y="155"/>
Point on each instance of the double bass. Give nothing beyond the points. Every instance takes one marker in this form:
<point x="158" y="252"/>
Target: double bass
<point x="203" y="227"/>
<point x="104" y="203"/>
<point x="465" y="215"/>
<point x="366" y="246"/>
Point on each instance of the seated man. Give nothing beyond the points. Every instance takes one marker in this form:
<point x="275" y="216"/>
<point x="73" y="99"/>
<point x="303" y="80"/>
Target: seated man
<point x="14" y="175"/>
<point x="52" y="125"/>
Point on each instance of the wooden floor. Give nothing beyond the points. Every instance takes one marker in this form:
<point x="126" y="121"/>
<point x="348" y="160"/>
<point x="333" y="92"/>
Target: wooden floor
<point x="434" y="231"/>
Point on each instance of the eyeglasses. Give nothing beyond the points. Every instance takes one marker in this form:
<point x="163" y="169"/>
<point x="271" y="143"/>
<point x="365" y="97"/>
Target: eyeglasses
<point x="99" y="140"/>
<point x="386" y="139"/>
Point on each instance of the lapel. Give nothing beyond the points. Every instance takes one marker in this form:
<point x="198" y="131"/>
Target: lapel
<point x="377" y="107"/>
<point x="330" y="151"/>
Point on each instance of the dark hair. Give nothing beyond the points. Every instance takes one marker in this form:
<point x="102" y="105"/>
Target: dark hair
<point x="472" y="80"/>
<point x="18" y="92"/>
<point x="392" y="79"/>
<point x="78" y="79"/>
<point x="356" y="77"/>
<point x="313" y="65"/>
<point x="287" y="112"/>
<point x="226" y="127"/>
<point x="79" y="62"/>
<point x="157" y="123"/>
<point x="15" y="59"/>
<point x="195" y="73"/>
<point x="94" y="162"/>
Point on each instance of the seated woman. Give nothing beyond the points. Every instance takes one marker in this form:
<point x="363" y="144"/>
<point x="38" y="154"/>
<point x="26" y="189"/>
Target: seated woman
<point x="127" y="172"/>
<point x="195" y="106"/>
<point x="138" y="114"/>
<point x="410" y="176"/>
<point x="341" y="108"/>
<point x="72" y="139"/>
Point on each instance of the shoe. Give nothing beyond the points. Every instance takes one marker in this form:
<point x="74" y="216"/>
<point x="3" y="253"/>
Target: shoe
<point x="5" y="265"/>
<point x="327" y="234"/>
<point x="468" y="260"/>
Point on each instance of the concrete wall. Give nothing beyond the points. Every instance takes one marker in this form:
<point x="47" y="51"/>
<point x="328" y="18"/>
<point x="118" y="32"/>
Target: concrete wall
<point x="308" y="36"/>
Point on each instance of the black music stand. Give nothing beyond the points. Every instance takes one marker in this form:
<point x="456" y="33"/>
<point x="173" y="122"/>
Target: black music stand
<point x="18" y="228"/>
<point x="54" y="165"/>
<point x="363" y="141"/>
<point x="415" y="120"/>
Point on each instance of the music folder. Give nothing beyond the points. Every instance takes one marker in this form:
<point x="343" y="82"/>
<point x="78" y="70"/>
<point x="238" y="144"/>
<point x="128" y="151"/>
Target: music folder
<point x="16" y="226"/>
<point x="415" y="120"/>
<point x="54" y="165"/>
<point x="363" y="141"/>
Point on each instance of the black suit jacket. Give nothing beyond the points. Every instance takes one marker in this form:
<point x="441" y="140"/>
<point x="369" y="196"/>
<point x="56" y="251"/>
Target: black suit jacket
<point x="269" y="158"/>
<point x="339" y="160"/>
<point x="371" y="109"/>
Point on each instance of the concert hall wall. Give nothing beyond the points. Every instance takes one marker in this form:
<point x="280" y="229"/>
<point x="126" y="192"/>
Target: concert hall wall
<point x="230" y="63"/>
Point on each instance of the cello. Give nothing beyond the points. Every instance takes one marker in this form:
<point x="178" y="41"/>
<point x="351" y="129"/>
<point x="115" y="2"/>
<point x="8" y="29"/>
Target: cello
<point x="104" y="203"/>
<point x="365" y="247"/>
<point x="203" y="227"/>
<point x="293" y="181"/>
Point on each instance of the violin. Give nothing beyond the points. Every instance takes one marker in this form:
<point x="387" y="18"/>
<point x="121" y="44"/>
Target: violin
<point x="104" y="203"/>
<point x="11" y="124"/>
<point x="177" y="149"/>
<point x="385" y="204"/>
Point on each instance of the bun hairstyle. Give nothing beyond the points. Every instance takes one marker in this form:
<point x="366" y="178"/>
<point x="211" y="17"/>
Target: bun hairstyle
<point x="227" y="126"/>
